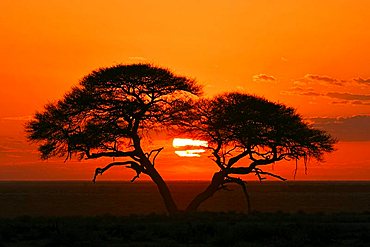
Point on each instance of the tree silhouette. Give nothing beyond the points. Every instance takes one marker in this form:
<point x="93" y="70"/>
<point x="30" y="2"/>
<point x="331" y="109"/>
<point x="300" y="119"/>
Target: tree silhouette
<point x="109" y="114"/>
<point x="253" y="132"/>
<point x="113" y="109"/>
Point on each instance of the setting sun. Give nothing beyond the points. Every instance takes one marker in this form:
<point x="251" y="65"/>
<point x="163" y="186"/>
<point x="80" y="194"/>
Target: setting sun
<point x="182" y="142"/>
<point x="188" y="143"/>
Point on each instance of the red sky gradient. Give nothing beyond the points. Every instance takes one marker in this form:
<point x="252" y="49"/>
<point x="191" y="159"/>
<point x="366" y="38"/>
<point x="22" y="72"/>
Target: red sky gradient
<point x="312" y="55"/>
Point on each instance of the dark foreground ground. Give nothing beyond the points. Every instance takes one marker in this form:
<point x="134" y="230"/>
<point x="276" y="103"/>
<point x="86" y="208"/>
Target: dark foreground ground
<point x="103" y="214"/>
<point x="84" y="198"/>
<point x="203" y="229"/>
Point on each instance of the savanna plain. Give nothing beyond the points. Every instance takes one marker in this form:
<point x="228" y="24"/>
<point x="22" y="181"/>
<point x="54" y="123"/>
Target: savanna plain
<point x="80" y="213"/>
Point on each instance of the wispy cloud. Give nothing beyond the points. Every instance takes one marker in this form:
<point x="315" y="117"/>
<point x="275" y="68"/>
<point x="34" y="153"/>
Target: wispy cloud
<point x="353" y="102"/>
<point x="362" y="81"/>
<point x="359" y="102"/>
<point x="264" y="77"/>
<point x="300" y="90"/>
<point x="342" y="102"/>
<point x="11" y="147"/>
<point x="310" y="94"/>
<point x="348" y="96"/>
<point x="355" y="128"/>
<point x="324" y="78"/>
<point x="341" y="98"/>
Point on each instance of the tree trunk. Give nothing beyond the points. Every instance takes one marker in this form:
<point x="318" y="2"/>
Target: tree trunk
<point x="217" y="180"/>
<point x="162" y="188"/>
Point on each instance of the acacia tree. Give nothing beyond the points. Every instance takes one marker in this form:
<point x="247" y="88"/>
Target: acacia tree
<point x="109" y="113"/>
<point x="112" y="109"/>
<point x="246" y="133"/>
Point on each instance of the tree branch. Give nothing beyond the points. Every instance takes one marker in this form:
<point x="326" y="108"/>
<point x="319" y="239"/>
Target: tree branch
<point x="132" y="165"/>
<point x="239" y="170"/>
<point x="228" y="152"/>
<point x="110" y="154"/>
<point x="158" y="150"/>
<point x="259" y="171"/>
<point x="296" y="168"/>
<point x="234" y="159"/>
<point x="216" y="155"/>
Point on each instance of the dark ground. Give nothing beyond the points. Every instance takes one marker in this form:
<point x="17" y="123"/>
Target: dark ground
<point x="203" y="229"/>
<point x="103" y="214"/>
<point x="83" y="198"/>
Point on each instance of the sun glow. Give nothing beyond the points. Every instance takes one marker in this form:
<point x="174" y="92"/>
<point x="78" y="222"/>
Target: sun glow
<point x="181" y="142"/>
<point x="190" y="153"/>
<point x="188" y="144"/>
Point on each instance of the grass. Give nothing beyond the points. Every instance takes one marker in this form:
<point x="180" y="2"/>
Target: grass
<point x="201" y="229"/>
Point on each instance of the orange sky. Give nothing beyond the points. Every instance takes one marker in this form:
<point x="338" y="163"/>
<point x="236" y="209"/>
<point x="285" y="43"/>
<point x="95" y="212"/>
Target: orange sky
<point x="312" y="55"/>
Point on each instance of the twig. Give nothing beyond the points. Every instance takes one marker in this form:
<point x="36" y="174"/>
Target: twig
<point x="296" y="167"/>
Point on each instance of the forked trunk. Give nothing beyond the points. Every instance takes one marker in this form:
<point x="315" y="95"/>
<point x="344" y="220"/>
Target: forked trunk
<point x="212" y="188"/>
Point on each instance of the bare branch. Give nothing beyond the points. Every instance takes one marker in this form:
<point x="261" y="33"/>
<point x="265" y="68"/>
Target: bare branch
<point x="296" y="168"/>
<point x="240" y="170"/>
<point x="158" y="150"/>
<point x="232" y="149"/>
<point x="259" y="171"/>
<point x="132" y="164"/>
<point x="259" y="176"/>
<point x="234" y="159"/>
<point x="110" y="154"/>
<point x="263" y="155"/>
<point x="215" y="153"/>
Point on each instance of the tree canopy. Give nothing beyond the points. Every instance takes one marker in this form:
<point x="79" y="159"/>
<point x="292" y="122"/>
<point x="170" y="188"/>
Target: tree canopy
<point x="247" y="132"/>
<point x="108" y="114"/>
<point x="109" y="109"/>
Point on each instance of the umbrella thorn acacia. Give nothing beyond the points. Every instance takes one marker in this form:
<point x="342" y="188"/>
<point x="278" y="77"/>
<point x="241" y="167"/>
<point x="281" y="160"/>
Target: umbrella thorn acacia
<point x="245" y="133"/>
<point x="109" y="113"/>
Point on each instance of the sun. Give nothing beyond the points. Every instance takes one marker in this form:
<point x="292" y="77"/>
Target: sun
<point x="187" y="145"/>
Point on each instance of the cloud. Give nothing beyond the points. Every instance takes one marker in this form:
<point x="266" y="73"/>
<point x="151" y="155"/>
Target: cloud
<point x="301" y="89"/>
<point x="359" y="102"/>
<point x="264" y="77"/>
<point x="310" y="94"/>
<point x="355" y="128"/>
<point x="324" y="78"/>
<point x="362" y="81"/>
<point x="348" y="96"/>
<point x="304" y="91"/>
<point x="342" y="102"/>
<point x="15" y="149"/>
<point x="353" y="102"/>
<point x="341" y="98"/>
